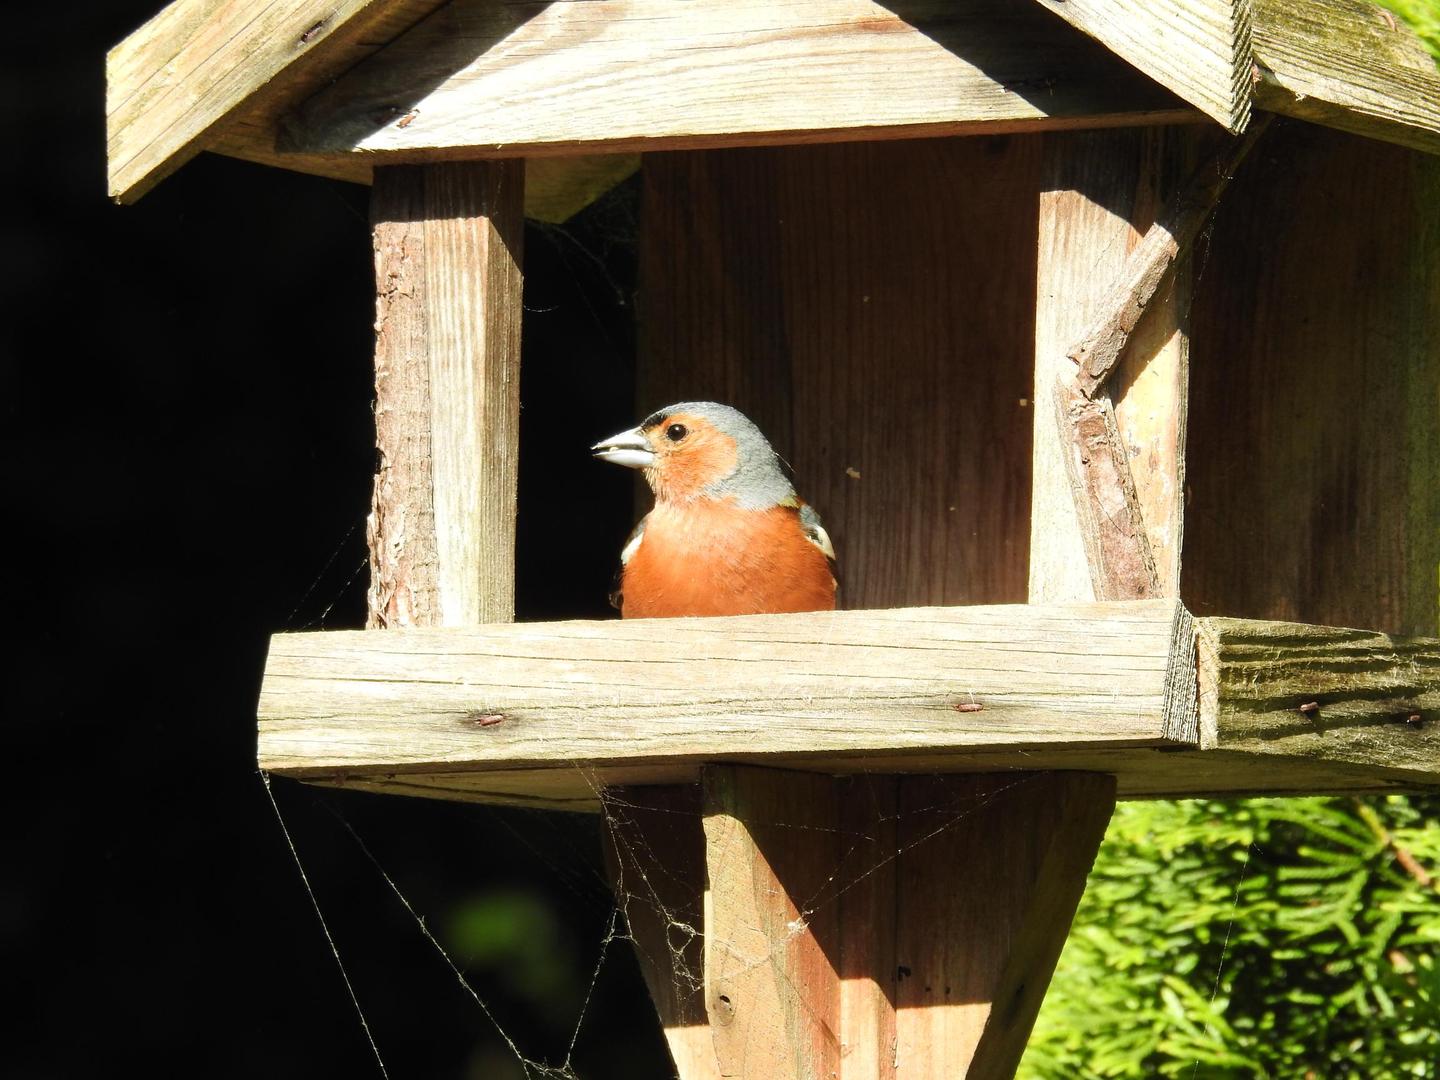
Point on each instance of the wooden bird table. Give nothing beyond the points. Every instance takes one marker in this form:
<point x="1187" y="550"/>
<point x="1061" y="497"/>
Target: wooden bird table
<point x="1076" y="363"/>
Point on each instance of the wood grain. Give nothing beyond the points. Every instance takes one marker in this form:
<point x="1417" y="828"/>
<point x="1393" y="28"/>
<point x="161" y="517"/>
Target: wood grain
<point x="556" y="188"/>
<point x="772" y="988"/>
<point x="869" y="306"/>
<point x="176" y="83"/>
<point x="442" y="527"/>
<point x="651" y="74"/>
<point x="1101" y="192"/>
<point x="671" y="690"/>
<point x="1311" y="691"/>
<point x="1167" y="772"/>
<point x="584" y="705"/>
<point x="976" y="949"/>
<point x="1347" y="64"/>
<point x="1199" y="49"/>
<point x="1314" y="471"/>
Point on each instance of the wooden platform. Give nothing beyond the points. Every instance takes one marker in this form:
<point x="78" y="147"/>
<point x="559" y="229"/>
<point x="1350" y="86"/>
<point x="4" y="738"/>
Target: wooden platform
<point x="548" y="714"/>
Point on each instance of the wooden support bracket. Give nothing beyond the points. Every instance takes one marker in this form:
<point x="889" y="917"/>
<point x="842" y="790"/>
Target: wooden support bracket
<point x="836" y="941"/>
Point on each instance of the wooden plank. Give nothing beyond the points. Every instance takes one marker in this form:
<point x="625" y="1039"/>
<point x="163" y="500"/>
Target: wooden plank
<point x="1314" y="476"/>
<point x="1167" y="772"/>
<point x="655" y="854"/>
<point x="826" y="309"/>
<point x="1101" y="192"/>
<point x="175" y="83"/>
<point x="689" y="690"/>
<point x="1316" y="691"/>
<point x="1347" y="64"/>
<point x="976" y="950"/>
<point x="867" y="868"/>
<point x="531" y="78"/>
<point x="772" y="989"/>
<point x="1199" y="49"/>
<point x="442" y="529"/>
<point x="556" y="188"/>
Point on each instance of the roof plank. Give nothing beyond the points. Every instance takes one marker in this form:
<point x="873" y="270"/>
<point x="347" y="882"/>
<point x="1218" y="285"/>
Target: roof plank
<point x="174" y="84"/>
<point x="1347" y="64"/>
<point x="1199" y="49"/>
<point x="479" y="77"/>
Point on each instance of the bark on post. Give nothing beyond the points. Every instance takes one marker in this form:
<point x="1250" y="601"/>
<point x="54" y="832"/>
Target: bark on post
<point x="447" y="393"/>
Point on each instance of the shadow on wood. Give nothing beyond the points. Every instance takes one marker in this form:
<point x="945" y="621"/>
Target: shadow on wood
<point x="832" y="947"/>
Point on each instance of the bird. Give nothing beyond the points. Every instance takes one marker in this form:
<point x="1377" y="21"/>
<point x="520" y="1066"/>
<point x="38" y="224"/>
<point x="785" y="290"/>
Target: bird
<point x="727" y="535"/>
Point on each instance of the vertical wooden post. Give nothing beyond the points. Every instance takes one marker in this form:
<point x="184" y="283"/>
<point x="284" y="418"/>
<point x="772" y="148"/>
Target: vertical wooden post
<point x="888" y="927"/>
<point x="448" y="241"/>
<point x="1100" y="191"/>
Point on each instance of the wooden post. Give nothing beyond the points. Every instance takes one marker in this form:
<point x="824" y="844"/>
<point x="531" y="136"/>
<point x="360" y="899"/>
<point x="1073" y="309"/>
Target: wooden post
<point x="888" y="926"/>
<point x="1108" y="466"/>
<point x="441" y="531"/>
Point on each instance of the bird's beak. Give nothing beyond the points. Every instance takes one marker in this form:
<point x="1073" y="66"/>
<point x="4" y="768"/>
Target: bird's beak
<point x="629" y="448"/>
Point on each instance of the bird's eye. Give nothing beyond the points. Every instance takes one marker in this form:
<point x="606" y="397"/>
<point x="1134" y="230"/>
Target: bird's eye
<point x="676" y="432"/>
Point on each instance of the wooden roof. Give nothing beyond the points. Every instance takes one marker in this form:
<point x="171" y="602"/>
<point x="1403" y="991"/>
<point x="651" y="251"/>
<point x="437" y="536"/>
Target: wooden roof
<point x="334" y="88"/>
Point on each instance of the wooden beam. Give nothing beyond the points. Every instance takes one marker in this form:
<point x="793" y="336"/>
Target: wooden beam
<point x="546" y="714"/>
<point x="442" y="528"/>
<point x="979" y="947"/>
<point x="695" y="689"/>
<point x="806" y="913"/>
<point x="1320" y="691"/>
<point x="1347" y="64"/>
<point x="1149" y="266"/>
<point x="174" y="84"/>
<point x="482" y="78"/>
<point x="772" y="984"/>
<point x="1106" y="512"/>
<point x="1199" y="49"/>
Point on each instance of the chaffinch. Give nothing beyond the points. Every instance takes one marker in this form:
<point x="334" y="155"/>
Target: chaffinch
<point x="728" y="535"/>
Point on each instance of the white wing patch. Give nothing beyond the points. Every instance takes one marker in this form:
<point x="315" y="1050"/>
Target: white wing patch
<point x="815" y="532"/>
<point x="632" y="545"/>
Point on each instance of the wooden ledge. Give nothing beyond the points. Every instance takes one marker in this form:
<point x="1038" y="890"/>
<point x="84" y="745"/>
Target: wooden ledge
<point x="548" y="714"/>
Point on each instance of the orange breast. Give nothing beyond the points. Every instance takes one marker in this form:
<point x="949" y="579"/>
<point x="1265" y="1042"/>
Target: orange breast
<point x="712" y="558"/>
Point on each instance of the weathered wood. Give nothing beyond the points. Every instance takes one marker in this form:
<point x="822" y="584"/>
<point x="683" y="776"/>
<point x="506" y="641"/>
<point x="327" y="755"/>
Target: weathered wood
<point x="826" y="309"/>
<point x="1166" y="772"/>
<point x="976" y="948"/>
<point x="1148" y="267"/>
<point x="655" y="853"/>
<point x="1314" y="477"/>
<point x="867" y="861"/>
<point x="174" y="84"/>
<point x="1319" y="691"/>
<point x="772" y="987"/>
<point x="479" y="77"/>
<point x="1109" y="513"/>
<point x="696" y="689"/>
<point x="546" y="714"/>
<point x="1200" y="49"/>
<point x="1120" y="537"/>
<point x="556" y="188"/>
<point x="1347" y="64"/>
<point x="442" y="527"/>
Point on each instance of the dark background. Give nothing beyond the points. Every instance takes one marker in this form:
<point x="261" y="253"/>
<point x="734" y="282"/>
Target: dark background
<point x="187" y="406"/>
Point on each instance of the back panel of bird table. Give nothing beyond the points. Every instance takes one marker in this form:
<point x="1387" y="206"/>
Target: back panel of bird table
<point x="871" y="307"/>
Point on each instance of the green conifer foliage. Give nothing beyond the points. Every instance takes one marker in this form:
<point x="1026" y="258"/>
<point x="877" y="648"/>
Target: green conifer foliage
<point x="1265" y="938"/>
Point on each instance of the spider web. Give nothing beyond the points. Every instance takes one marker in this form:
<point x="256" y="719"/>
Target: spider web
<point x="647" y="888"/>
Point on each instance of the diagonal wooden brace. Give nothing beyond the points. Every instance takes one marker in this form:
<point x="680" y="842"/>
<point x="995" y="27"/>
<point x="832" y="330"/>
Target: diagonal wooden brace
<point x="859" y="927"/>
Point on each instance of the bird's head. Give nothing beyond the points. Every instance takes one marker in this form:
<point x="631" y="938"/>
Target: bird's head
<point x="701" y="449"/>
